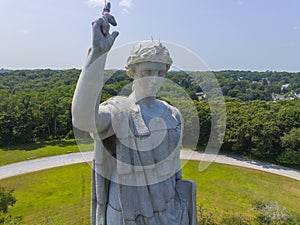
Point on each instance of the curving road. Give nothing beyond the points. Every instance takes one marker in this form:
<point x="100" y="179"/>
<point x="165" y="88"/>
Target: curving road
<point x="68" y="159"/>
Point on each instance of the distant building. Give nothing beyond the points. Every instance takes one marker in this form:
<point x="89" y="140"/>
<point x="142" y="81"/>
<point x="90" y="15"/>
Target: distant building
<point x="297" y="95"/>
<point x="279" y="97"/>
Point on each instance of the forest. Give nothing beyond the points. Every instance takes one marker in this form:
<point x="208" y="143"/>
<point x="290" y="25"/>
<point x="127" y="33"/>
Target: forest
<point x="36" y="105"/>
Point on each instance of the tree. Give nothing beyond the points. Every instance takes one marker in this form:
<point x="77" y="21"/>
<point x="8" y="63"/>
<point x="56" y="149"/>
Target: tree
<point x="204" y="115"/>
<point x="7" y="200"/>
<point x="252" y="129"/>
<point x="288" y="117"/>
<point x="291" y="144"/>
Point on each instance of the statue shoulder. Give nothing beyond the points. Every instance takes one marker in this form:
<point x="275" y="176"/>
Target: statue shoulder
<point x="175" y="111"/>
<point x="119" y="102"/>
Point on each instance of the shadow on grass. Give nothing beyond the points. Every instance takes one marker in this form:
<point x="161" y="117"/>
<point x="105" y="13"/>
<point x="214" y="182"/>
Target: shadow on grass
<point x="37" y="145"/>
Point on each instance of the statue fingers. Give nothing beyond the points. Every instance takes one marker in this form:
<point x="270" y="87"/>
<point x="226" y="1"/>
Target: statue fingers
<point x="114" y="35"/>
<point x="111" y="19"/>
<point x="104" y="25"/>
<point x="101" y="25"/>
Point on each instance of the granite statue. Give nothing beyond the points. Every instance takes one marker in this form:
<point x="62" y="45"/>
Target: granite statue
<point x="136" y="174"/>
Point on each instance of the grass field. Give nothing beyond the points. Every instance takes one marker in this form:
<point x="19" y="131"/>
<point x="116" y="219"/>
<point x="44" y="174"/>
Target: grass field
<point x="62" y="195"/>
<point x="52" y="196"/>
<point x="229" y="189"/>
<point x="19" y="153"/>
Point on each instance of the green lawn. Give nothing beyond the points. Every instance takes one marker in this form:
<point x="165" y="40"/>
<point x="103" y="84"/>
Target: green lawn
<point x="52" y="196"/>
<point x="62" y="195"/>
<point x="19" y="153"/>
<point x="229" y="189"/>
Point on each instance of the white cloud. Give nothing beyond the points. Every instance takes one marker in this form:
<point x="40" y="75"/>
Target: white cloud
<point x="27" y="31"/>
<point x="95" y="3"/>
<point x="125" y="5"/>
<point x="240" y="2"/>
<point x="297" y="27"/>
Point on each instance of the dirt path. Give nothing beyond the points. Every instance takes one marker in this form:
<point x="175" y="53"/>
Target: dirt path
<point x="68" y="159"/>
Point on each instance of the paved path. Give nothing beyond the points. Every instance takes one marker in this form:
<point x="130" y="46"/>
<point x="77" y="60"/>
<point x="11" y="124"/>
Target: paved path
<point x="238" y="161"/>
<point x="68" y="159"/>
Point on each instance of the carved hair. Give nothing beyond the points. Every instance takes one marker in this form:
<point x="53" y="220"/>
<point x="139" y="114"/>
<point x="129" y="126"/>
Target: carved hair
<point x="147" y="51"/>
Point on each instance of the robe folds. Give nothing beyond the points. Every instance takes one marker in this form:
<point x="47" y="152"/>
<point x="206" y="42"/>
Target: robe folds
<point x="136" y="168"/>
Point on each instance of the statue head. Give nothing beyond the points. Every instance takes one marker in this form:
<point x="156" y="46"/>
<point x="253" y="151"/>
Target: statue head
<point x="147" y="51"/>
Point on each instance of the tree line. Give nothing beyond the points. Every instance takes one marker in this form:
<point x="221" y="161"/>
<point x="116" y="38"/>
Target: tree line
<point x="36" y="105"/>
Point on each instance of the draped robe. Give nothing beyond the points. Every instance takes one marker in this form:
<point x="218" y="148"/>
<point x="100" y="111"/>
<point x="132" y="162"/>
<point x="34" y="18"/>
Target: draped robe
<point x="136" y="168"/>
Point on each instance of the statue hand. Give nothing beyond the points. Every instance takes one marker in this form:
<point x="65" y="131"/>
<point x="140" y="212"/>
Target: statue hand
<point x="102" y="39"/>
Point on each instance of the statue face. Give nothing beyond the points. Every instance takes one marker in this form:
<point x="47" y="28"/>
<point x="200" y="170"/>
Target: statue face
<point x="149" y="77"/>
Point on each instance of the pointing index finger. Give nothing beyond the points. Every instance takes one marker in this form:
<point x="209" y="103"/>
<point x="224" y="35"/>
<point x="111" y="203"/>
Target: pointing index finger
<point x="101" y="26"/>
<point x="106" y="13"/>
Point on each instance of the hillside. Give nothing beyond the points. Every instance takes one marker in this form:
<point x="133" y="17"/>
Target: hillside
<point x="35" y="105"/>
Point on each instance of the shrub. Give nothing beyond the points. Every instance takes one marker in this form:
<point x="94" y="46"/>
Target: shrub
<point x="207" y="217"/>
<point x="6" y="200"/>
<point x="271" y="213"/>
<point x="235" y="219"/>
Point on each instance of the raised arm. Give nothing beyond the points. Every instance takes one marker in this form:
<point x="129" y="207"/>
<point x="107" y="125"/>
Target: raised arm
<point x="86" y="100"/>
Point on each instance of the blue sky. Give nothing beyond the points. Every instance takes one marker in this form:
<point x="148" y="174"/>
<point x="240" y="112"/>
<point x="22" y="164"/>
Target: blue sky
<point x="227" y="34"/>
